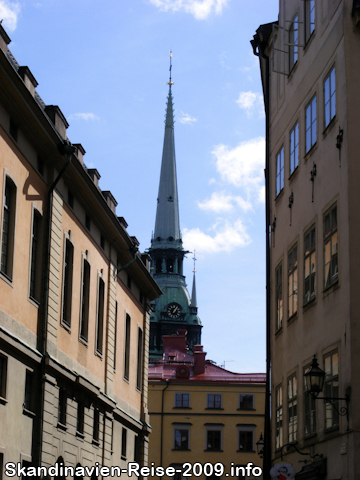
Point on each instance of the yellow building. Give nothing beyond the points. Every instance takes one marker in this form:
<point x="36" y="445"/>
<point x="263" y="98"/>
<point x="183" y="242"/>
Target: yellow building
<point x="201" y="413"/>
<point x="74" y="297"/>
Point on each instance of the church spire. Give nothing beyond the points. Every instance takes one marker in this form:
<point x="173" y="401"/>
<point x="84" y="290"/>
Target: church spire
<point x="193" y="303"/>
<point x="167" y="225"/>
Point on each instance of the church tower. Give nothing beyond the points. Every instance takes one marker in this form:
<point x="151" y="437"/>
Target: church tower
<point x="174" y="309"/>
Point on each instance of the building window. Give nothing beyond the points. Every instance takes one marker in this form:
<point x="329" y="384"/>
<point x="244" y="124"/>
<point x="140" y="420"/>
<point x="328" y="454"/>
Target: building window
<point x="181" y="437"/>
<point x="293" y="42"/>
<point x="115" y="333"/>
<point x="279" y="297"/>
<point x="67" y="282"/>
<point x="331" y="389"/>
<point x="3" y="374"/>
<point x="214" y="400"/>
<point x="8" y="228"/>
<point x="127" y="347"/>
<point x="292" y="280"/>
<point x="309" y="264"/>
<point x="330" y="247"/>
<point x="123" y="443"/>
<point x="139" y="359"/>
<point x="96" y="425"/>
<point x="35" y="260"/>
<point x="85" y="299"/>
<point x="80" y="418"/>
<point x="309" y="409"/>
<point x="279" y="415"/>
<point x="329" y="97"/>
<point x="246" y="438"/>
<point x="292" y="408"/>
<point x="214" y="438"/>
<point x="280" y="171"/>
<point x="310" y="125"/>
<point x="309" y="18"/>
<point x="294" y="148"/>
<point x="100" y="317"/>
<point x="182" y="400"/>
<point x="29" y="391"/>
<point x="62" y="407"/>
<point x="247" y="402"/>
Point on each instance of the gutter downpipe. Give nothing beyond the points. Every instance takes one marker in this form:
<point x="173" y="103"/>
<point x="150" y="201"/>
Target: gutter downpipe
<point x="67" y="149"/>
<point x="259" y="51"/>
<point x="162" y="421"/>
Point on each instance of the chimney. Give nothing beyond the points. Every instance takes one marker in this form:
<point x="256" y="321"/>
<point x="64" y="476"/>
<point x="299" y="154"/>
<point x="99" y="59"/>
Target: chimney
<point x="94" y="175"/>
<point x="57" y="118"/>
<point x="177" y="342"/>
<point x="123" y="222"/>
<point x="29" y="79"/>
<point x="4" y="40"/>
<point x="80" y="152"/>
<point x="110" y="200"/>
<point x="199" y="360"/>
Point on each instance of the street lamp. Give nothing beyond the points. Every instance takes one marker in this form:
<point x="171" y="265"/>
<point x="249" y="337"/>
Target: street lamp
<point x="260" y="445"/>
<point x="314" y="378"/>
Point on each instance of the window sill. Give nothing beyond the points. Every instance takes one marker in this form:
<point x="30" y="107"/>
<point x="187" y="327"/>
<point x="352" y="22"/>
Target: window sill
<point x="126" y="379"/>
<point x="246" y="451"/>
<point x="293" y="69"/>
<point x="333" y="429"/>
<point x="84" y="341"/>
<point x="279" y="195"/>
<point x="330" y="125"/>
<point x="96" y="443"/>
<point x="98" y="354"/>
<point x="311" y="151"/>
<point x="214" y="408"/>
<point x="34" y="302"/>
<point x="123" y="457"/>
<point x="66" y="326"/>
<point x="278" y="331"/>
<point x="293" y="175"/>
<point x="292" y="318"/>
<point x="309" y="41"/>
<point x="6" y="279"/>
<point x="309" y="304"/>
<point x="3" y="400"/>
<point x="182" y="408"/>
<point x="80" y="435"/>
<point x="181" y="450"/>
<point x="28" y="413"/>
<point x="61" y="426"/>
<point x="247" y="409"/>
<point x="309" y="436"/>
<point x="334" y="286"/>
<point x="213" y="450"/>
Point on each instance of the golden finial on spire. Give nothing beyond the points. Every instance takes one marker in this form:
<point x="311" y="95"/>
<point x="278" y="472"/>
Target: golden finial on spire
<point x="170" y="82"/>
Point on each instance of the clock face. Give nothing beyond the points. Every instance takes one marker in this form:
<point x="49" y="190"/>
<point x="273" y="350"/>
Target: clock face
<point x="174" y="310"/>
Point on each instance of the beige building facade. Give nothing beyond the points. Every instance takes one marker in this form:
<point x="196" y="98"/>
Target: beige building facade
<point x="74" y="297"/>
<point x="311" y="90"/>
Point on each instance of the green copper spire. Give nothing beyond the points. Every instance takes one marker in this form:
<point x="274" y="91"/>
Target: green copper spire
<point x="167" y="225"/>
<point x="174" y="309"/>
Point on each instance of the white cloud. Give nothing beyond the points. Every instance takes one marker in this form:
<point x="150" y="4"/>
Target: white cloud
<point x="9" y="12"/>
<point x="249" y="101"/>
<point x="220" y="202"/>
<point x="242" y="166"/>
<point x="84" y="116"/>
<point x="226" y="238"/>
<point x="200" y="9"/>
<point x="186" y="118"/>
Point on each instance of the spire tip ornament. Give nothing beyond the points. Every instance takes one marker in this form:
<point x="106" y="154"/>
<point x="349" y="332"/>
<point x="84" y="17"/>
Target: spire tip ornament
<point x="170" y="82"/>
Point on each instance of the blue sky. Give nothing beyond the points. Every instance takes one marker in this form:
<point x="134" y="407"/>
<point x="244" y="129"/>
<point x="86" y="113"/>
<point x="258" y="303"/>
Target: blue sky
<point x="106" y="64"/>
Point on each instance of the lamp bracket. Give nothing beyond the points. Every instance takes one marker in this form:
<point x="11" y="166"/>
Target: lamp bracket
<point x="293" y="446"/>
